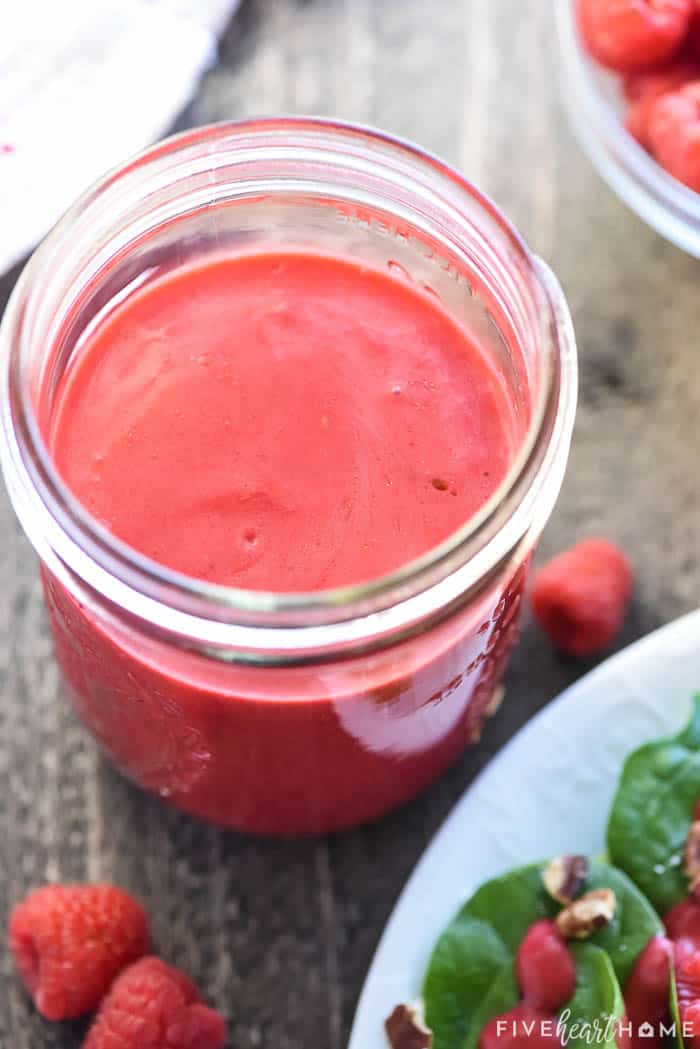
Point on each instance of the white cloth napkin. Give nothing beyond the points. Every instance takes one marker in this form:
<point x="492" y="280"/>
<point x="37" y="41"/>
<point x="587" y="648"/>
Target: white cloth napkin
<point x="84" y="84"/>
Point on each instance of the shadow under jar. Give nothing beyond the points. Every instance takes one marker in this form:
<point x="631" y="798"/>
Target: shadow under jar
<point x="287" y="713"/>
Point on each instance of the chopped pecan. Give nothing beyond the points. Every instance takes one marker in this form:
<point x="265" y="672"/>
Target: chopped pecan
<point x="564" y="876"/>
<point x="406" y="1030"/>
<point x="691" y="856"/>
<point x="587" y="914"/>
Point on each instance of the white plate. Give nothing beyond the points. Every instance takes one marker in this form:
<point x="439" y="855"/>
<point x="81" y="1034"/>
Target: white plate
<point x="548" y="792"/>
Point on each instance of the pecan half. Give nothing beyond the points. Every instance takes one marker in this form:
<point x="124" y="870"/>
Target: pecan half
<point x="587" y="914"/>
<point x="406" y="1030"/>
<point x="691" y="856"/>
<point x="564" y="876"/>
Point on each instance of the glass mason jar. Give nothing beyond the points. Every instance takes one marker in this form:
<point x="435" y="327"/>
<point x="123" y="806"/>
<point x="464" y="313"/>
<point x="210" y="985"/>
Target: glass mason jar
<point x="287" y="713"/>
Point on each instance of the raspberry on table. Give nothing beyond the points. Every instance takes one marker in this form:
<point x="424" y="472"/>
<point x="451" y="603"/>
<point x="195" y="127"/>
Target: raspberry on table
<point x="642" y="90"/>
<point x="70" y="941"/>
<point x="647" y="993"/>
<point x="633" y="35"/>
<point x="153" y="1006"/>
<point x="545" y="969"/>
<point x="674" y="133"/>
<point x="580" y="597"/>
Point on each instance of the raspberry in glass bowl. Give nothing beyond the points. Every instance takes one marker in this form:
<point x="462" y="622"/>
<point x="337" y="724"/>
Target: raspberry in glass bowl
<point x="631" y="85"/>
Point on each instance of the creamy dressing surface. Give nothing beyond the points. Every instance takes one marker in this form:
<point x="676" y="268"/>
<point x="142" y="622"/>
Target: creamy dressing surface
<point x="282" y="421"/>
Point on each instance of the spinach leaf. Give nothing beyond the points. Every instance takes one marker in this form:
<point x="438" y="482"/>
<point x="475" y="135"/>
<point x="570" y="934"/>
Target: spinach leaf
<point x="652" y="812"/>
<point x="592" y="1015"/>
<point x="470" y="976"/>
<point x="469" y="960"/>
<point x="634" y="924"/>
<point x="503" y="996"/>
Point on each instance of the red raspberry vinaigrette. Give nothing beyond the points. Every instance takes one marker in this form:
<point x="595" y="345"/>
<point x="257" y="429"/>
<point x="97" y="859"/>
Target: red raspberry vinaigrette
<point x="277" y="421"/>
<point x="283" y="422"/>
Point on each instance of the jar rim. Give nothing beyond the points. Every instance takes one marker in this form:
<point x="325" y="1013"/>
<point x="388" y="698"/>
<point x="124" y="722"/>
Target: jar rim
<point x="257" y="624"/>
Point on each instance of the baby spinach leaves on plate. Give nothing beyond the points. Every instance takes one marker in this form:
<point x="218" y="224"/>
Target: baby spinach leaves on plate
<point x="597" y="1000"/>
<point x="634" y="924"/>
<point x="470" y="965"/>
<point x="652" y="813"/>
<point x="503" y="995"/>
<point x="470" y="977"/>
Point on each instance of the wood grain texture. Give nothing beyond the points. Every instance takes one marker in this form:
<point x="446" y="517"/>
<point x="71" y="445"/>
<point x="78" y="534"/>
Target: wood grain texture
<point x="279" y="934"/>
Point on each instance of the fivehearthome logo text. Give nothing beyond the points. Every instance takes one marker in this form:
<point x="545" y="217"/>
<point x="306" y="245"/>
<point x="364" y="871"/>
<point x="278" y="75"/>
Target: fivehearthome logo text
<point x="600" y="1031"/>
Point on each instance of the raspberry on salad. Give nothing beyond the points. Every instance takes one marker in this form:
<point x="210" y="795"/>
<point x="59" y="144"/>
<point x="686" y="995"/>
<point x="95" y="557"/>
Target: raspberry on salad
<point x="580" y="597"/>
<point x="694" y="31"/>
<point x="674" y="133"/>
<point x="544" y="967"/>
<point x="524" y="1027"/>
<point x="623" y="1035"/>
<point x="70" y="941"/>
<point x="687" y="963"/>
<point x="642" y="90"/>
<point x="647" y="993"/>
<point x="632" y="35"/>
<point x="153" y="1006"/>
<point x="683" y="923"/>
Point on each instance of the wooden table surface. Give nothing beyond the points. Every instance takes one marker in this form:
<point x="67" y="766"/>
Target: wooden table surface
<point x="280" y="934"/>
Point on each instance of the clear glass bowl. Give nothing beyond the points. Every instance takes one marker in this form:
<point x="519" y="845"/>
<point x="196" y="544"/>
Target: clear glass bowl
<point x="594" y="103"/>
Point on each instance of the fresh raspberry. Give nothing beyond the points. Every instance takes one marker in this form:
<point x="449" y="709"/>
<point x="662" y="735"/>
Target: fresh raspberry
<point x="544" y="967"/>
<point x="522" y="1028"/>
<point x="683" y="923"/>
<point x="637" y="86"/>
<point x="687" y="961"/>
<point x="694" y="31"/>
<point x="623" y="1034"/>
<point x="647" y="993"/>
<point x="636" y="122"/>
<point x="580" y="597"/>
<point x="152" y="1006"/>
<point x="633" y="35"/>
<point x="70" y="941"/>
<point x="642" y="89"/>
<point x="674" y="133"/>
<point x="690" y="1018"/>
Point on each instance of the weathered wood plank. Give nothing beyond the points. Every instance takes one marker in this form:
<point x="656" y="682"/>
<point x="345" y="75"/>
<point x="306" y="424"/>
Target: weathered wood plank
<point x="280" y="934"/>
